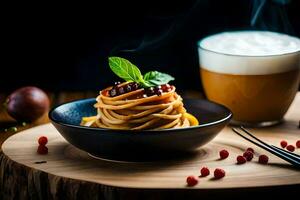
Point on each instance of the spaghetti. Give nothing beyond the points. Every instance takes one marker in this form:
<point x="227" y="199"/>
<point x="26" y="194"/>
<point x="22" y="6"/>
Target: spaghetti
<point x="135" y="110"/>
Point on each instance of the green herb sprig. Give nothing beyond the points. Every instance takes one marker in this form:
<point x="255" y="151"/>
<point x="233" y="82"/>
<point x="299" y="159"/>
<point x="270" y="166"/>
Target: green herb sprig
<point x="129" y="72"/>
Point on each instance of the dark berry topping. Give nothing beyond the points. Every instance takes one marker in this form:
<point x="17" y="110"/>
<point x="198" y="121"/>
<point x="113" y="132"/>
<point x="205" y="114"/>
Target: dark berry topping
<point x="150" y="91"/>
<point x="121" y="90"/>
<point x="127" y="88"/>
<point x="134" y="86"/>
<point x="113" y="92"/>
<point x="158" y="92"/>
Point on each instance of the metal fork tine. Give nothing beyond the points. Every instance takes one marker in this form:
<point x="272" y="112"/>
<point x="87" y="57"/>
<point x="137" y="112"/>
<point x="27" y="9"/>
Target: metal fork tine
<point x="271" y="150"/>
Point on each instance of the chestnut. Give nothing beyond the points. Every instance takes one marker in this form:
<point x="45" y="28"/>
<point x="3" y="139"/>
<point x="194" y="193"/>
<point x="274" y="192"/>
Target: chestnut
<point x="27" y="104"/>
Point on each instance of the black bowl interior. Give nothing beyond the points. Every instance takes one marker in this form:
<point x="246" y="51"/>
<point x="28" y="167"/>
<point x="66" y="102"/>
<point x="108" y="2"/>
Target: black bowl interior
<point x="128" y="144"/>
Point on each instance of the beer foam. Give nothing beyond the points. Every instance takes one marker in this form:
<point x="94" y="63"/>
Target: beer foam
<point x="250" y="52"/>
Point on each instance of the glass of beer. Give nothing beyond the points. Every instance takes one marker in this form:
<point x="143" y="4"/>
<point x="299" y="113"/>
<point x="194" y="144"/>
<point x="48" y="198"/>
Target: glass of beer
<point x="254" y="73"/>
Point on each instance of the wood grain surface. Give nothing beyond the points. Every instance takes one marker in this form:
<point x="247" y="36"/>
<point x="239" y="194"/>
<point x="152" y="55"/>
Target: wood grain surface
<point x="67" y="165"/>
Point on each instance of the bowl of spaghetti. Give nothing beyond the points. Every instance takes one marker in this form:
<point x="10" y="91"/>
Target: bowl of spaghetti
<point x="140" y="118"/>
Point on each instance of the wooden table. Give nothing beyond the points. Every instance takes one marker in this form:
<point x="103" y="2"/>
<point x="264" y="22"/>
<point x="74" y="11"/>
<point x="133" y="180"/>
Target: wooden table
<point x="72" y="173"/>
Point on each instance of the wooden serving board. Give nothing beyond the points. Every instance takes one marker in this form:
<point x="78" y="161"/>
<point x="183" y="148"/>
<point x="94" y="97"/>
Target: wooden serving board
<point x="67" y="164"/>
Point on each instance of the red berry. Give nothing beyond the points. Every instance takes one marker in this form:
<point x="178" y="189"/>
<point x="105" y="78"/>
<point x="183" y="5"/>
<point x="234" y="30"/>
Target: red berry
<point x="219" y="173"/>
<point x="165" y="87"/>
<point x="263" y="159"/>
<point x="283" y="143"/>
<point x="43" y="140"/>
<point x="191" y="180"/>
<point x="298" y="144"/>
<point x="248" y="155"/>
<point x="42" y="149"/>
<point x="250" y="149"/>
<point x="204" y="171"/>
<point x="224" y="154"/>
<point x="290" y="148"/>
<point x="241" y="159"/>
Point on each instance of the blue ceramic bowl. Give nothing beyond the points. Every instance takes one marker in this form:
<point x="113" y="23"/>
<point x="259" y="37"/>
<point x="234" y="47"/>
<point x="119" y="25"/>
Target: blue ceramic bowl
<point x="138" y="145"/>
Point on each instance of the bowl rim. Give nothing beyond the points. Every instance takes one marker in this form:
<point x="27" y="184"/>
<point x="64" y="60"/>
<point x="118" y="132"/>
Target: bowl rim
<point x="123" y="131"/>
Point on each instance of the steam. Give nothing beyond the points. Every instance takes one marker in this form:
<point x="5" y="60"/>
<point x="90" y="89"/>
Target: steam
<point x="148" y="42"/>
<point x="268" y="15"/>
<point x="153" y="42"/>
<point x="271" y="15"/>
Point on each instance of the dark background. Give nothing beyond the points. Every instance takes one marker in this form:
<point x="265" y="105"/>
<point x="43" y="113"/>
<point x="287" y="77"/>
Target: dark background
<point x="65" y="47"/>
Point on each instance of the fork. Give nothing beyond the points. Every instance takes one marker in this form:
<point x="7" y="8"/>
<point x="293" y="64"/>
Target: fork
<point x="290" y="157"/>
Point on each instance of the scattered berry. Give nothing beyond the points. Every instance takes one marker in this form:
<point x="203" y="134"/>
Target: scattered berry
<point x="290" y="148"/>
<point x="248" y="155"/>
<point x="43" y="140"/>
<point x="250" y="149"/>
<point x="204" y="171"/>
<point x="219" y="173"/>
<point x="191" y="181"/>
<point x="283" y="143"/>
<point x="42" y="149"/>
<point x="298" y="144"/>
<point x="263" y="159"/>
<point x="241" y="159"/>
<point x="224" y="154"/>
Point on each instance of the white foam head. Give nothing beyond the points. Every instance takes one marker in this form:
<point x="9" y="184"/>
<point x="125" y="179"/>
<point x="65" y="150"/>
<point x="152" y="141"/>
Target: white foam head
<point x="250" y="52"/>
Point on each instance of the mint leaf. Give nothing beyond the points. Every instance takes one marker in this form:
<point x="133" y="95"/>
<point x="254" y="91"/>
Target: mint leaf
<point x="125" y="69"/>
<point x="157" y="78"/>
<point x="129" y="72"/>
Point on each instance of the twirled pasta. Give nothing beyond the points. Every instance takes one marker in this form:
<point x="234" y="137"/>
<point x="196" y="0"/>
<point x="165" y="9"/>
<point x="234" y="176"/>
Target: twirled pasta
<point x="132" y="111"/>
